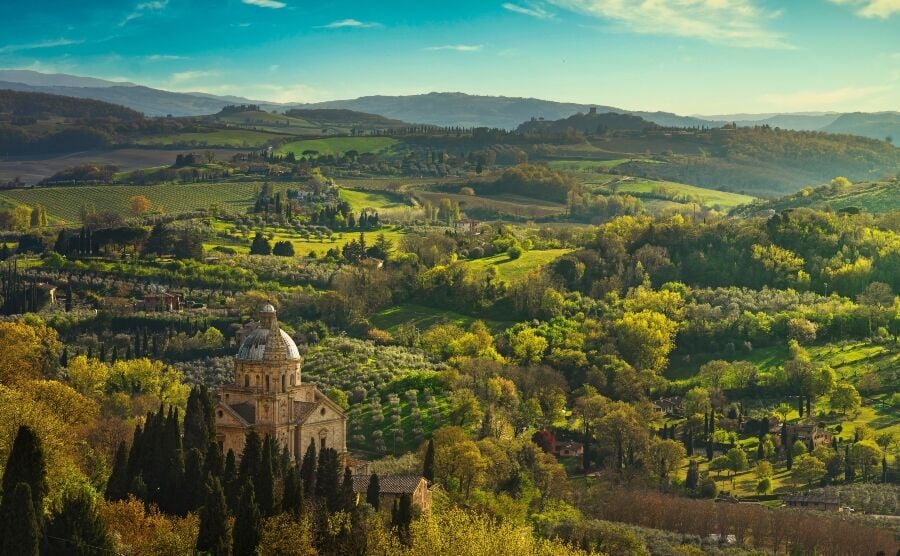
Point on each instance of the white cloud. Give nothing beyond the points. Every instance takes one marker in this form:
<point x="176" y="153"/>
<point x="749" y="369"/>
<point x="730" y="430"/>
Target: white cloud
<point x="274" y="4"/>
<point x="52" y="43"/>
<point x="530" y="10"/>
<point x="739" y="23"/>
<point x="354" y="23"/>
<point x="184" y="76"/>
<point x="881" y="9"/>
<point x="155" y="5"/>
<point x="457" y="47"/>
<point x="834" y="99"/>
<point x="163" y="57"/>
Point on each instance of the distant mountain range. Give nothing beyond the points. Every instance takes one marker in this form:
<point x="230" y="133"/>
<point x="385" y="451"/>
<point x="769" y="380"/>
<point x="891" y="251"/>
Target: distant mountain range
<point x="444" y="109"/>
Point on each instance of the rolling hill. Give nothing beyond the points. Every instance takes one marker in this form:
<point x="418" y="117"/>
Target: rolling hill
<point x="874" y="197"/>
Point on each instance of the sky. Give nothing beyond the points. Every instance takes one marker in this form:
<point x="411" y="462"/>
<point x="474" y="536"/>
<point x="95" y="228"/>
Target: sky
<point x="684" y="56"/>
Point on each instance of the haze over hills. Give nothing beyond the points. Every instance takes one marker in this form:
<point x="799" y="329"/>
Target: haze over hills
<point x="438" y="108"/>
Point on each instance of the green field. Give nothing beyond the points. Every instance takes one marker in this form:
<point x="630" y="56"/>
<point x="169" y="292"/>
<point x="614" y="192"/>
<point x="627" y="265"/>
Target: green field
<point x="302" y="246"/>
<point x="591" y="165"/>
<point x="516" y="269"/>
<point x="377" y="200"/>
<point x="240" y="138"/>
<point x="338" y="145"/>
<point x="484" y="207"/>
<point x="64" y="202"/>
<point x="709" y="197"/>
<point x="422" y="317"/>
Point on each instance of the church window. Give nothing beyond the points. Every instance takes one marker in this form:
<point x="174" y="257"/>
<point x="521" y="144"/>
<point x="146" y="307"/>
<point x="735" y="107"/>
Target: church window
<point x="282" y="384"/>
<point x="267" y="383"/>
<point x="247" y="381"/>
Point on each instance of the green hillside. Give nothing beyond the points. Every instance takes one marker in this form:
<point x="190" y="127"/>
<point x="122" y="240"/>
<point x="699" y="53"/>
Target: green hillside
<point x="338" y="145"/>
<point x="874" y="197"/>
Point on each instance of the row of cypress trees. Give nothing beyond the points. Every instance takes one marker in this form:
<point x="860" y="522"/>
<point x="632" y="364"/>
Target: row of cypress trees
<point x="74" y="529"/>
<point x="183" y="471"/>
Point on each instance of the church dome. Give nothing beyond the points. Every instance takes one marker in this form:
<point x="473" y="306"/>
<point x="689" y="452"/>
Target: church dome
<point x="268" y="342"/>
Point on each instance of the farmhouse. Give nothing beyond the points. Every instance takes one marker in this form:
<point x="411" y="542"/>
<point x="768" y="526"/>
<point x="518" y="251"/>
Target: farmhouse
<point x="813" y="502"/>
<point x="569" y="449"/>
<point x="164" y="301"/>
<point x="267" y="396"/>
<point x="392" y="487"/>
<point x="810" y="433"/>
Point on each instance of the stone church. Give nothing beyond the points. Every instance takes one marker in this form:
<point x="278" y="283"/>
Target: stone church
<point x="267" y="396"/>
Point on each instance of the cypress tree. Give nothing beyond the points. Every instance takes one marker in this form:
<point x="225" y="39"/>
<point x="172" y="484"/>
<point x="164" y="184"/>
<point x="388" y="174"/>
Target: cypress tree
<point x="428" y="463"/>
<point x="251" y="458"/>
<point x="789" y="455"/>
<point x="308" y="469"/>
<point x="693" y="475"/>
<point x="77" y="529"/>
<point x="196" y="434"/>
<point x="25" y="465"/>
<point x="247" y="523"/>
<point x="231" y="481"/>
<point x="213" y="463"/>
<point x="21" y="531"/>
<point x="172" y="475"/>
<point x="214" y="537"/>
<point x="348" y="498"/>
<point x="117" y="486"/>
<point x="327" y="479"/>
<point x="194" y="493"/>
<point x="264" y="481"/>
<point x="402" y="517"/>
<point x="849" y="471"/>
<point x="292" y="495"/>
<point x="373" y="491"/>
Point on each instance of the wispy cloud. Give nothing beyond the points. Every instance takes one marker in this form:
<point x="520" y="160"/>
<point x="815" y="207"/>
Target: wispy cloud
<point x="352" y="23"/>
<point x="193" y="75"/>
<point x="739" y="23"/>
<point x="163" y="57"/>
<point x="273" y="4"/>
<point x="143" y="7"/>
<point x="881" y="9"/>
<point x="529" y="10"/>
<point x="824" y="100"/>
<point x="52" y="43"/>
<point x="457" y="47"/>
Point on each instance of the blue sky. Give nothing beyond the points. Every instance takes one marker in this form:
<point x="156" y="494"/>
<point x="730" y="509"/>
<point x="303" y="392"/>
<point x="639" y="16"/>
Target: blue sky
<point x="685" y="56"/>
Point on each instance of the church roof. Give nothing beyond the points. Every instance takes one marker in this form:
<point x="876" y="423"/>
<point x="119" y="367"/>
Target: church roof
<point x="268" y="342"/>
<point x="246" y="410"/>
<point x="389" y="484"/>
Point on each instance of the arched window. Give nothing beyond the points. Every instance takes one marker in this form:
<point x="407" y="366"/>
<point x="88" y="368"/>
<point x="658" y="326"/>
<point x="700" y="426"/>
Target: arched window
<point x="283" y="388"/>
<point x="267" y="383"/>
<point x="247" y="381"/>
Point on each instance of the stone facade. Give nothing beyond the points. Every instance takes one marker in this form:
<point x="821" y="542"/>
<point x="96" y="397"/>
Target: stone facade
<point x="268" y="396"/>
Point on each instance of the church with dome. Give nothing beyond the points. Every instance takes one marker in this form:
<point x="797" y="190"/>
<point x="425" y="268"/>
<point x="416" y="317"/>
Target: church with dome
<point x="268" y="396"/>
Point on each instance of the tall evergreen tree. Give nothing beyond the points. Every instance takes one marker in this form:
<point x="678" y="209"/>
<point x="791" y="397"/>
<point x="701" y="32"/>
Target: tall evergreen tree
<point x="193" y="495"/>
<point x="348" y="498"/>
<point x="214" y="537"/>
<point x="264" y="481"/>
<point x="327" y="476"/>
<point x="251" y="458"/>
<point x="247" y="523"/>
<point x="117" y="485"/>
<point x="21" y="531"/>
<point x="428" y="463"/>
<point x="308" y="469"/>
<point x="196" y="433"/>
<point x="213" y="462"/>
<point x="25" y="465"/>
<point x="77" y="529"/>
<point x="231" y="481"/>
<point x="402" y="517"/>
<point x="373" y="491"/>
<point x="292" y="495"/>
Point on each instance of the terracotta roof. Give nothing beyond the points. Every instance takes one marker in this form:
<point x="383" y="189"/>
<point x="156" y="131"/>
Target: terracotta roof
<point x="303" y="409"/>
<point x="389" y="484"/>
<point x="246" y="410"/>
